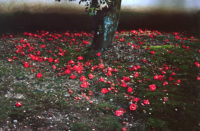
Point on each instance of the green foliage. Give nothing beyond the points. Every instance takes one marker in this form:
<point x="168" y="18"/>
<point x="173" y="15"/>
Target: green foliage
<point x="81" y="126"/>
<point x="109" y="123"/>
<point x="4" y="109"/>
<point x="158" y="123"/>
<point x="179" y="112"/>
<point x="102" y="106"/>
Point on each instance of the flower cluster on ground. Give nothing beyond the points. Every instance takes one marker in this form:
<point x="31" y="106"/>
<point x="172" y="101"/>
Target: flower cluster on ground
<point x="139" y="74"/>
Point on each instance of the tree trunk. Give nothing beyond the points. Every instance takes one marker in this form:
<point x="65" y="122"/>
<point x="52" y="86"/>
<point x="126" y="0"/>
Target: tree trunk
<point x="106" y="24"/>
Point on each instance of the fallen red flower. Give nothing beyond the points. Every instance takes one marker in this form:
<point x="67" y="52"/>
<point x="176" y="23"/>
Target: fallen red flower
<point x="73" y="77"/>
<point x="18" y="104"/>
<point x="98" y="54"/>
<point x="152" y="87"/>
<point x="133" y="107"/>
<point x="130" y="89"/>
<point x="26" y="65"/>
<point x="39" y="75"/>
<point x="104" y="90"/>
<point x="85" y="84"/>
<point x="146" y="102"/>
<point x="90" y="76"/>
<point x="120" y="112"/>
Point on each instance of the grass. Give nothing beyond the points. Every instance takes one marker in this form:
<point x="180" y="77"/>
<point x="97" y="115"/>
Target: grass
<point x="56" y="101"/>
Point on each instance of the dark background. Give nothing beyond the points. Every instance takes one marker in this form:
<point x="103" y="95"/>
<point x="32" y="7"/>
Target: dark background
<point x="156" y="20"/>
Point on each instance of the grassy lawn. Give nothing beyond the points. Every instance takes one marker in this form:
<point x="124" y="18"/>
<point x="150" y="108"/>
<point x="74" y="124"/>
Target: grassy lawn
<point x="148" y="80"/>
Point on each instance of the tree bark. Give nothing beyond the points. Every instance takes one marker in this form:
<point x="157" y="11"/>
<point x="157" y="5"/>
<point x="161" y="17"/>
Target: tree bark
<point x="106" y="24"/>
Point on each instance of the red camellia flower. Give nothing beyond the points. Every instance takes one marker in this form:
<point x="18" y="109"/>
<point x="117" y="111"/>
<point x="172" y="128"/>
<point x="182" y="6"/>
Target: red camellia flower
<point x="18" y="104"/>
<point x="152" y="52"/>
<point x="136" y="99"/>
<point x="85" y="84"/>
<point x="85" y="42"/>
<point x="102" y="79"/>
<point x="163" y="72"/>
<point x="83" y="78"/>
<point x="109" y="73"/>
<point x="178" y="81"/>
<point x="98" y="54"/>
<point x="54" y="67"/>
<point x="158" y="77"/>
<point x="14" y="57"/>
<point x="109" y="69"/>
<point x="127" y="79"/>
<point x="197" y="64"/>
<point x="144" y="60"/>
<point x="80" y="58"/>
<point x="70" y="91"/>
<point x="38" y="53"/>
<point x="71" y="62"/>
<point x="120" y="112"/>
<point x="133" y="107"/>
<point x="50" y="59"/>
<point x="198" y="78"/>
<point x="43" y="46"/>
<point x="146" y="102"/>
<point x="169" y="51"/>
<point x="121" y="39"/>
<point x="26" y="65"/>
<point x="138" y="67"/>
<point x="171" y="78"/>
<point x="173" y="73"/>
<point x="101" y="66"/>
<point x="124" y="84"/>
<point x="165" y="83"/>
<point x="134" y="68"/>
<point x="68" y="66"/>
<point x="130" y="89"/>
<point x="104" y="90"/>
<point x="78" y="69"/>
<point x="90" y="76"/>
<point x="152" y="87"/>
<point x="115" y="70"/>
<point x="56" y="61"/>
<point x="67" y="71"/>
<point x="123" y="129"/>
<point x="39" y="75"/>
<point x="165" y="99"/>
<point x="73" y="77"/>
<point x="136" y="74"/>
<point x="10" y="60"/>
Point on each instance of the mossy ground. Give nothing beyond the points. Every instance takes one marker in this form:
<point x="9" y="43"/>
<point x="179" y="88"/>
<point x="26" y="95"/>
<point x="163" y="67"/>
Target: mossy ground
<point x="57" y="102"/>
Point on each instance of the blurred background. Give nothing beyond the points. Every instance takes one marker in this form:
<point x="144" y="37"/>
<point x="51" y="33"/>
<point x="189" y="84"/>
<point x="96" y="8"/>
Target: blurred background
<point x="162" y="15"/>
